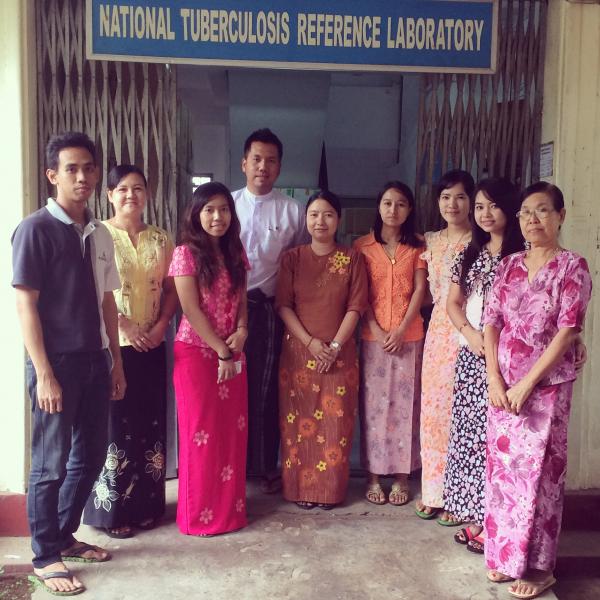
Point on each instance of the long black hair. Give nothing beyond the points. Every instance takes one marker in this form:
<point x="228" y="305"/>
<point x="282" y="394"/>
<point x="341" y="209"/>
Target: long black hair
<point x="201" y="246"/>
<point x="408" y="235"/>
<point x="505" y="195"/>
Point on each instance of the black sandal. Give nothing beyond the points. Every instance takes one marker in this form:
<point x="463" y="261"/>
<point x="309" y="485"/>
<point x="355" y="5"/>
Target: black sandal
<point x="118" y="535"/>
<point x="305" y="505"/>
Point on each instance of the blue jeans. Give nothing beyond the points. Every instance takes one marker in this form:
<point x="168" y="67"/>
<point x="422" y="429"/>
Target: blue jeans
<point x="67" y="450"/>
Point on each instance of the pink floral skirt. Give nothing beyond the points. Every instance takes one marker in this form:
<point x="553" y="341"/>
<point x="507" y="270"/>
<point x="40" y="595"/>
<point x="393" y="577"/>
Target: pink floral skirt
<point x="213" y="437"/>
<point x="525" y="480"/>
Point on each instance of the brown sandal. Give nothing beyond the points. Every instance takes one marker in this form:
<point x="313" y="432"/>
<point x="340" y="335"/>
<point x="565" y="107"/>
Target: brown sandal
<point x="374" y="490"/>
<point x="399" y="494"/>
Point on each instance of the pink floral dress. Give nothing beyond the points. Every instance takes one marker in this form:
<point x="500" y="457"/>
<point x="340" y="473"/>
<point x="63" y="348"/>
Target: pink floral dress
<point x="527" y="453"/>
<point x="439" y="360"/>
<point x="212" y="417"/>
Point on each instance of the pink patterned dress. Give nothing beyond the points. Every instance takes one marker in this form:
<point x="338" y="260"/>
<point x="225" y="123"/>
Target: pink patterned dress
<point x="439" y="360"/>
<point x="212" y="417"/>
<point x="527" y="453"/>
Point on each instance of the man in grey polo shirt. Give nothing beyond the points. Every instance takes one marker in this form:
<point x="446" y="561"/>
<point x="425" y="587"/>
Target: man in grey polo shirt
<point x="64" y="273"/>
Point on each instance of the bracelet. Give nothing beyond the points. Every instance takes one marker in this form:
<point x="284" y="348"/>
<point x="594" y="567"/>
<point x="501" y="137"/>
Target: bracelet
<point x="463" y="326"/>
<point x="230" y="357"/>
<point x="309" y="342"/>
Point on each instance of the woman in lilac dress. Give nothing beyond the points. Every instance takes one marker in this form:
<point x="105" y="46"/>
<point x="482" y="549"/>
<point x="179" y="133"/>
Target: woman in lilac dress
<point x="533" y="316"/>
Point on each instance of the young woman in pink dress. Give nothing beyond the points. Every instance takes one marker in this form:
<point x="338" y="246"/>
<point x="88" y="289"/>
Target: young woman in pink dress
<point x="533" y="316"/>
<point x="210" y="373"/>
<point x="441" y="342"/>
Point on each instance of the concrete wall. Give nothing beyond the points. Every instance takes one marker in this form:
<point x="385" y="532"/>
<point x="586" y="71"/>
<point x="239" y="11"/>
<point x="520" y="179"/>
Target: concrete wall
<point x="571" y="120"/>
<point x="18" y="172"/>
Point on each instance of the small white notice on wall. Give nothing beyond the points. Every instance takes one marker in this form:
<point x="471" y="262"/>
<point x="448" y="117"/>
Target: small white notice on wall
<point x="546" y="160"/>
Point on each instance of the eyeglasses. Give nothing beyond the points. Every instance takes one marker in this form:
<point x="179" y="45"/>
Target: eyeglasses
<point x="542" y="212"/>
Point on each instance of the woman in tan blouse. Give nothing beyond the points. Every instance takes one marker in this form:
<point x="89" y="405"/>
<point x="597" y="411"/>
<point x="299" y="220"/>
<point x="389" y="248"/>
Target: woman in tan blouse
<point x="321" y="294"/>
<point x="130" y="490"/>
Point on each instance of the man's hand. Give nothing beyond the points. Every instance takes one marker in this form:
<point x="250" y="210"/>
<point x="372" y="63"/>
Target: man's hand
<point x="118" y="385"/>
<point x="49" y="393"/>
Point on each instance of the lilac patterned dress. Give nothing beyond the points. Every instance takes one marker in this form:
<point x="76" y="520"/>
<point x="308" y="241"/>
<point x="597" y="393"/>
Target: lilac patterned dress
<point x="527" y="453"/>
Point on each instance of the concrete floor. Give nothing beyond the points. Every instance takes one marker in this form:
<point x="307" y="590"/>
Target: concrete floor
<point x="356" y="552"/>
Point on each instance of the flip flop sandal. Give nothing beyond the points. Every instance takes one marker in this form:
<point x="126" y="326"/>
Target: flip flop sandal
<point x="76" y="554"/>
<point x="467" y="536"/>
<point x="119" y="535"/>
<point x="305" y="505"/>
<point x="475" y="545"/>
<point x="449" y="522"/>
<point x="543" y="586"/>
<point x="375" y="488"/>
<point x="464" y="536"/>
<point x="397" y="491"/>
<point x="147" y="525"/>
<point x="427" y="516"/>
<point x="40" y="581"/>
<point x="323" y="506"/>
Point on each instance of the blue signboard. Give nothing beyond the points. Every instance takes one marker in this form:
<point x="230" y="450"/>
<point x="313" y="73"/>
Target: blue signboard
<point x="381" y="35"/>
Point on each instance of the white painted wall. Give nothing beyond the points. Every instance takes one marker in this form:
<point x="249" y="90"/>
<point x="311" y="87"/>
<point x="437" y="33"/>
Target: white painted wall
<point x="18" y="172"/>
<point x="571" y="119"/>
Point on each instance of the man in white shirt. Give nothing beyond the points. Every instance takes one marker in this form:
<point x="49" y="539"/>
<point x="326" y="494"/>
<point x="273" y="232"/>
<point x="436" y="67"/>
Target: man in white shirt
<point x="271" y="222"/>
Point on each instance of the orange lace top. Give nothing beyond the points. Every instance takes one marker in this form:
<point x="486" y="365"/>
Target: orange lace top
<point x="391" y="286"/>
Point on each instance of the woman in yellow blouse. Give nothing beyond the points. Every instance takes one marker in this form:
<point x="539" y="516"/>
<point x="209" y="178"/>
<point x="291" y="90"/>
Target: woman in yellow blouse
<point x="130" y="489"/>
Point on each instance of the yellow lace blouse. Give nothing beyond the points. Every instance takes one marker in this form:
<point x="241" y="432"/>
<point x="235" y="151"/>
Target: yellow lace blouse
<point x="142" y="271"/>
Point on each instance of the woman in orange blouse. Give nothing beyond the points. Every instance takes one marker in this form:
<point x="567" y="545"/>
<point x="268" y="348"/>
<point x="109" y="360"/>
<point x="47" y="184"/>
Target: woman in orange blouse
<point x="392" y="345"/>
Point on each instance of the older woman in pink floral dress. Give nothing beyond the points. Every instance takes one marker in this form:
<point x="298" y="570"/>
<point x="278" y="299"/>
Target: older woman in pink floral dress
<point x="532" y="319"/>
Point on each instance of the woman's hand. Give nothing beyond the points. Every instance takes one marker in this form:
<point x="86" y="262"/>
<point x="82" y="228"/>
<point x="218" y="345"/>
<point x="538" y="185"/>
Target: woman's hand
<point x="393" y="340"/>
<point x="133" y="334"/>
<point x="517" y="395"/>
<point x="226" y="370"/>
<point x="475" y="340"/>
<point x="235" y="342"/>
<point x="379" y="334"/>
<point x="323" y="353"/>
<point x="156" y="334"/>
<point x="497" y="393"/>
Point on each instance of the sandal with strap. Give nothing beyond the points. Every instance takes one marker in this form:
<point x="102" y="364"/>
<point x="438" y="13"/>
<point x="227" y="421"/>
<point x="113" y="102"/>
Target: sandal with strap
<point x="464" y="536"/>
<point x="374" y="490"/>
<point x="399" y="494"/>
<point x="40" y="581"/>
<point x="75" y="554"/>
<point x="541" y="587"/>
<point x="476" y="544"/>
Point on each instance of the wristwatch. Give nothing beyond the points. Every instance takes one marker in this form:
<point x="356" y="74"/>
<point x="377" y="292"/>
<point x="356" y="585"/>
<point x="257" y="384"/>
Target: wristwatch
<point x="335" y="346"/>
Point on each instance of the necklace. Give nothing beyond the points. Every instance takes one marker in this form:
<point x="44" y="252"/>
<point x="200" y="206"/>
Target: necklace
<point x="460" y="239"/>
<point x="390" y="255"/>
<point x="495" y="251"/>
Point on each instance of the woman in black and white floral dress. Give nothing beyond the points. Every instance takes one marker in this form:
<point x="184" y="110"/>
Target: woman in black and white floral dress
<point x="495" y="234"/>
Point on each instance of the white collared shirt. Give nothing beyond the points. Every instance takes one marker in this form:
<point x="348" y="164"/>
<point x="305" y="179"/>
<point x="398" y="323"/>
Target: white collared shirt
<point x="270" y="224"/>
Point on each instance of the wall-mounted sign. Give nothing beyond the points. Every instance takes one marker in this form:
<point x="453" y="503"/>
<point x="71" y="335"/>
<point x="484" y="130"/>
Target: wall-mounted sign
<point x="362" y="35"/>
